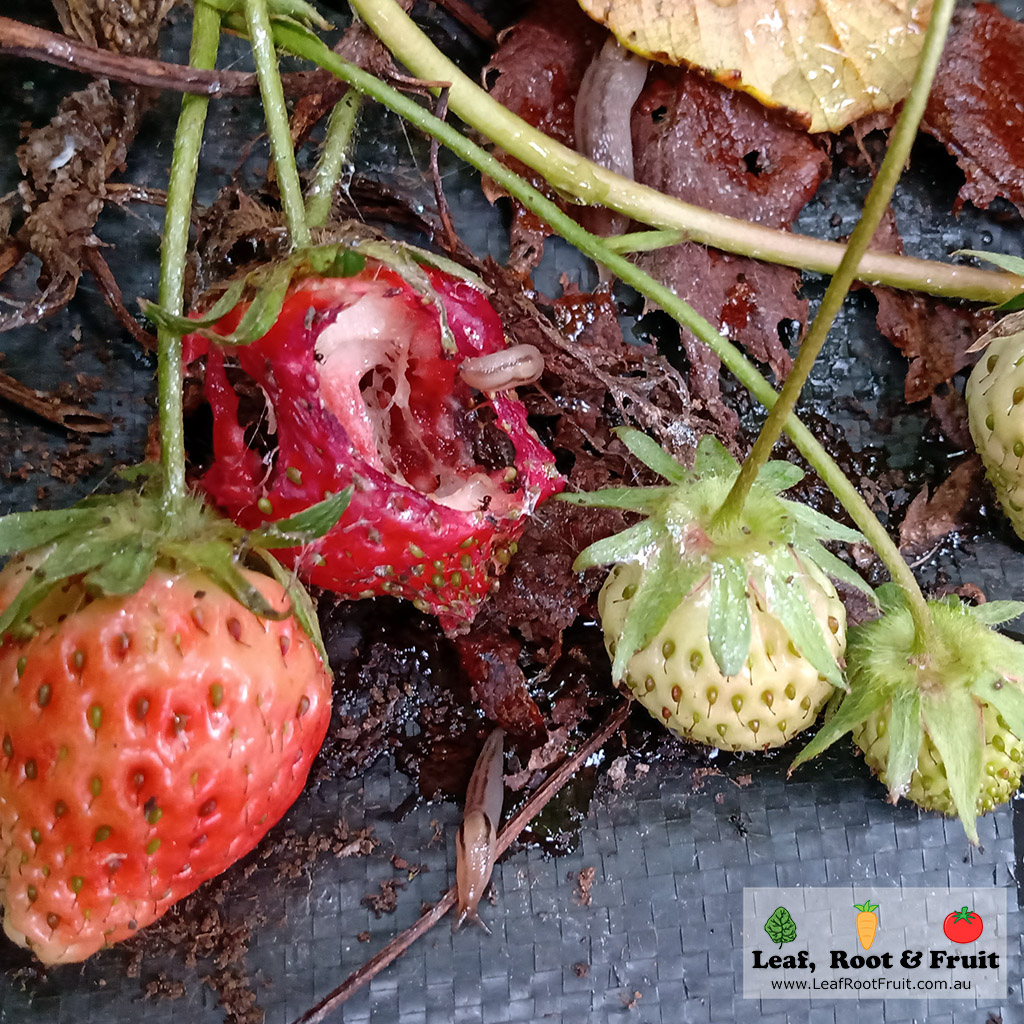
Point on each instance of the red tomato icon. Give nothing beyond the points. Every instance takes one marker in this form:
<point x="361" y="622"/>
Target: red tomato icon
<point x="962" y="925"/>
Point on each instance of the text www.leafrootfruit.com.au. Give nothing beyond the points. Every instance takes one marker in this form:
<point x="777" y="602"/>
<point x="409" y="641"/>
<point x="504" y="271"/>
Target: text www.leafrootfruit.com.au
<point x="871" y="985"/>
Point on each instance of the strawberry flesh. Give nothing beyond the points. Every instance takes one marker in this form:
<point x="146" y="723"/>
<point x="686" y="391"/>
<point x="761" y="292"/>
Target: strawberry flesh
<point x="360" y="391"/>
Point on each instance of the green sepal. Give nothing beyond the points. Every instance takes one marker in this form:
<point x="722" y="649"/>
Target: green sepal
<point x="21" y="531"/>
<point x="220" y="562"/>
<point x="175" y="323"/>
<point x="860" y="703"/>
<point x="264" y="309"/>
<point x="304" y="526"/>
<point x="835" y="567"/>
<point x="905" y="737"/>
<point x="787" y="601"/>
<point x="631" y="499"/>
<point x="890" y="598"/>
<point x="662" y="588"/>
<point x="625" y="546"/>
<point x="1006" y="697"/>
<point x="651" y="454"/>
<point x="953" y="720"/>
<point x="302" y="603"/>
<point x="729" y="616"/>
<point x="779" y="476"/>
<point x="126" y="571"/>
<point x="69" y="558"/>
<point x="713" y="458"/>
<point x="994" y="613"/>
<point x="820" y="525"/>
<point x="1011" y="264"/>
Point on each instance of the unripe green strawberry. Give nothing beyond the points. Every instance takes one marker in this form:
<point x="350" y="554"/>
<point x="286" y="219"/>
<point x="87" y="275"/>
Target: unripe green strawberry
<point x="938" y="713"/>
<point x="1003" y="756"/>
<point x="995" y="407"/>
<point x="724" y="626"/>
<point x="776" y="694"/>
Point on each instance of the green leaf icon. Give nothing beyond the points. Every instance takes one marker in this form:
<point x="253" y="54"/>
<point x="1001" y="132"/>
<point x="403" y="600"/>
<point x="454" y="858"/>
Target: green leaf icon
<point x="780" y="927"/>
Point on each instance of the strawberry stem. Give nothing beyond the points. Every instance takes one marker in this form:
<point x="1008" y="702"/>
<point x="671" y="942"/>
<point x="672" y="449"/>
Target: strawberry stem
<point x="332" y="156"/>
<point x="573" y="175"/>
<point x="177" y="221"/>
<point x="900" y="143"/>
<point x="310" y="48"/>
<point x="261" y="38"/>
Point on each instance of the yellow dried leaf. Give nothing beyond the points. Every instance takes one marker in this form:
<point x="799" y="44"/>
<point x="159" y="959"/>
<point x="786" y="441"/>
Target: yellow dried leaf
<point x="827" y="61"/>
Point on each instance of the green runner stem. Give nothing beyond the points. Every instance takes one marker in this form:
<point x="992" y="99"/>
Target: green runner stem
<point x="261" y="37"/>
<point x="177" y="221"/>
<point x="900" y="143"/>
<point x="332" y="155"/>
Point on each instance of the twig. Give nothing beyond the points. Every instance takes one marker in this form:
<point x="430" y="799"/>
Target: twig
<point x="451" y="240"/>
<point x="111" y="293"/>
<point x="51" y="408"/>
<point x="21" y="40"/>
<point x="465" y="15"/>
<point x="508" y="835"/>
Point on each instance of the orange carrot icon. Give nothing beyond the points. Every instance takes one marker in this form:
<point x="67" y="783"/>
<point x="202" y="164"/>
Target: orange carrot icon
<point x="867" y="922"/>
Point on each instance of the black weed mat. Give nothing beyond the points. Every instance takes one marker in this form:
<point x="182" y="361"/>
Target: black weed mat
<point x="624" y="908"/>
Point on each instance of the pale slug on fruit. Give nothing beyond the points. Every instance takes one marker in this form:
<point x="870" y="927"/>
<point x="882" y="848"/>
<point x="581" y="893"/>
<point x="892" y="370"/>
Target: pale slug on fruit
<point x="510" y="368"/>
<point x="479" y="829"/>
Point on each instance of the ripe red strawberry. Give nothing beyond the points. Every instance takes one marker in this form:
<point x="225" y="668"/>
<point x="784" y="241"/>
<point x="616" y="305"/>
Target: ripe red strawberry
<point x="363" y="389"/>
<point x="146" y="743"/>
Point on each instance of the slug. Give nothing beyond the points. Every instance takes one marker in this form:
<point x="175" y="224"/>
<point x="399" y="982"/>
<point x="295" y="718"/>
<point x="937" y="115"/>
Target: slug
<point x="510" y="368"/>
<point x="478" y="831"/>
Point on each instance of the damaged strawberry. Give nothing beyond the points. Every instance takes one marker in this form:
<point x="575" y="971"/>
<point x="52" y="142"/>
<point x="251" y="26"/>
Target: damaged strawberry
<point x="359" y="365"/>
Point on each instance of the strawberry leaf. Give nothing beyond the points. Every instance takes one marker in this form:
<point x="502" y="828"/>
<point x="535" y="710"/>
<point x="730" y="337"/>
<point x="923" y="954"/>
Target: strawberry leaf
<point x="304" y="526"/>
<point x="713" y="458"/>
<point x="905" y="736"/>
<point x="890" y="597"/>
<point x="652" y="455"/>
<point x="729" y="616"/>
<point x="994" y="613"/>
<point x="787" y="601"/>
<point x="954" y="723"/>
<point x="620" y="547"/>
<point x="861" y="702"/>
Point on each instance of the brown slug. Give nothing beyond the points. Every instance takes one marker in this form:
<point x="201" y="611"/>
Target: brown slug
<point x="498" y="371"/>
<point x="477" y="834"/>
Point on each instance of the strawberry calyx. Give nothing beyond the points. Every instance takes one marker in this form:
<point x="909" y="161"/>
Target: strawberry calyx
<point x="113" y="543"/>
<point x="765" y="554"/>
<point x="951" y="702"/>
